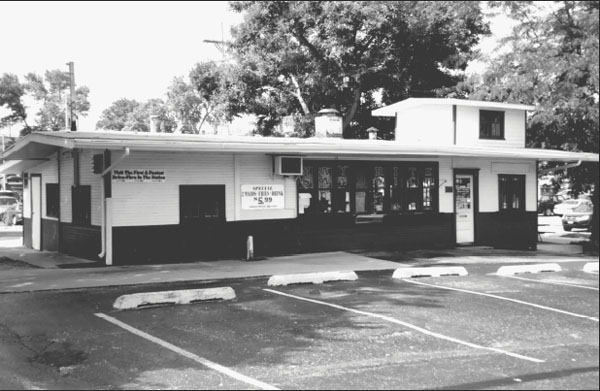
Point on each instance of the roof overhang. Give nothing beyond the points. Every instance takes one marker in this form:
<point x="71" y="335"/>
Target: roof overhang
<point x="391" y="110"/>
<point x="41" y="146"/>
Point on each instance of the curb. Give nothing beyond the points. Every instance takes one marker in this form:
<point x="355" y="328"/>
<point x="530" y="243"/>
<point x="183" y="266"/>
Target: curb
<point x="311" y="278"/>
<point x="519" y="269"/>
<point x="185" y="296"/>
<point x="591" y="267"/>
<point x="411" y="272"/>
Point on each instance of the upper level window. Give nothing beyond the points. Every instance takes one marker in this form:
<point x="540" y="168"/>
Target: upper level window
<point x="491" y="124"/>
<point x="511" y="192"/>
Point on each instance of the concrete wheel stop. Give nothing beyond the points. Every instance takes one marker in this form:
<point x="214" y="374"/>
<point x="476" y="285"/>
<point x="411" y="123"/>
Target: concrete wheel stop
<point x="412" y="272"/>
<point x="186" y="296"/>
<point x="591" y="267"/>
<point x="311" y="278"/>
<point x="521" y="269"/>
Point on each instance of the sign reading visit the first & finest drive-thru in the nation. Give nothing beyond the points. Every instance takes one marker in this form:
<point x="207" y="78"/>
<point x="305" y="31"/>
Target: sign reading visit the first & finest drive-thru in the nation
<point x="138" y="176"/>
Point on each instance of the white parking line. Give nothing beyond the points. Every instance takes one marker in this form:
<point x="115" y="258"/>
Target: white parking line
<point x="505" y="298"/>
<point x="411" y="326"/>
<point x="185" y="353"/>
<point x="553" y="282"/>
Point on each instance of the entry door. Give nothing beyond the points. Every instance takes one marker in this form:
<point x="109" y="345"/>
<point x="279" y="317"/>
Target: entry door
<point x="36" y="212"/>
<point x="465" y="228"/>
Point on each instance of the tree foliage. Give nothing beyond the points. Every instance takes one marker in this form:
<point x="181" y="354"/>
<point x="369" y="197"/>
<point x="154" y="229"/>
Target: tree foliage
<point x="51" y="94"/>
<point x="552" y="63"/>
<point x="12" y="93"/>
<point x="131" y="115"/>
<point x="300" y="57"/>
<point x="201" y="100"/>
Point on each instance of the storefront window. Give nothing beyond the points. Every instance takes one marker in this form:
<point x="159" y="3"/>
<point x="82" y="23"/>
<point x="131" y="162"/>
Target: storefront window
<point x="427" y="188"/>
<point x="511" y="189"/>
<point x="305" y="187"/>
<point x="378" y="189"/>
<point x="363" y="187"/>
<point x="325" y="185"/>
<point x="341" y="195"/>
<point x="396" y="190"/>
<point x="412" y="189"/>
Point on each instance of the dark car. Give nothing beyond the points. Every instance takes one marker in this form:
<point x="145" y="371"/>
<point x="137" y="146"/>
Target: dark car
<point x="546" y="204"/>
<point x="579" y="217"/>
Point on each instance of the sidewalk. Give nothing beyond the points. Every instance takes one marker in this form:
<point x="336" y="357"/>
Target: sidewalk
<point x="49" y="270"/>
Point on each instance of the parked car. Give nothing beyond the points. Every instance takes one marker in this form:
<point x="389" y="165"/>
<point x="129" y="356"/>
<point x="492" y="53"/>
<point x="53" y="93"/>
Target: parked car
<point x="7" y="203"/>
<point x="14" y="215"/>
<point x="569" y="205"/>
<point x="9" y="193"/>
<point x="546" y="204"/>
<point x="579" y="217"/>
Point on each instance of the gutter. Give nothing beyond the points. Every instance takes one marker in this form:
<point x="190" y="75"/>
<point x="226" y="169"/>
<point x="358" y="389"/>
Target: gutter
<point x="103" y="222"/>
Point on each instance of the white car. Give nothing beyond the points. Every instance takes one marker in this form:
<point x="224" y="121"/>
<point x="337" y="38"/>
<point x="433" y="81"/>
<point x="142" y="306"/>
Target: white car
<point x="569" y="205"/>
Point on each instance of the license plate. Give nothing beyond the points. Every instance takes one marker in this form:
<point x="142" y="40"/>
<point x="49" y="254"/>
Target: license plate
<point x="570" y="222"/>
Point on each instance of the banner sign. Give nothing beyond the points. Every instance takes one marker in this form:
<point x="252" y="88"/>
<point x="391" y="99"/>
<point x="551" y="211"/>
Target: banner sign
<point x="146" y="176"/>
<point x="263" y="197"/>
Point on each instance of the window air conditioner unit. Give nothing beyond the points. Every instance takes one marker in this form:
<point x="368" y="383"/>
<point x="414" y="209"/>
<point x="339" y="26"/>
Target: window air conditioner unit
<point x="288" y="165"/>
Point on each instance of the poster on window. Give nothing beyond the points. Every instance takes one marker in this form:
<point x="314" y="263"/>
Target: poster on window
<point x="263" y="197"/>
<point x="145" y="176"/>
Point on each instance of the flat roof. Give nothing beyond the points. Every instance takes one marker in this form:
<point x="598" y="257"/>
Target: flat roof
<point x="391" y="110"/>
<point x="40" y="145"/>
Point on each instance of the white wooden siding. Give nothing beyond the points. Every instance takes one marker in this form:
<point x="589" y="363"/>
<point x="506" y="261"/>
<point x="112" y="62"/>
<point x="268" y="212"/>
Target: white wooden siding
<point x="258" y="170"/>
<point x="488" y="180"/>
<point x="87" y="177"/>
<point x="137" y="204"/>
<point x="446" y="178"/>
<point x="467" y="129"/>
<point x="66" y="181"/>
<point x="430" y="124"/>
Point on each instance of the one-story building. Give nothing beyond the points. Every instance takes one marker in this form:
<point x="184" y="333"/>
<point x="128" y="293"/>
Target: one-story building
<point x="457" y="173"/>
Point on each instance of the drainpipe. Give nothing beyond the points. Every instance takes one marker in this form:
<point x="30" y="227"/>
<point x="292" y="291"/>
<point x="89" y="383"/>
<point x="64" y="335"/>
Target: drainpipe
<point x="103" y="225"/>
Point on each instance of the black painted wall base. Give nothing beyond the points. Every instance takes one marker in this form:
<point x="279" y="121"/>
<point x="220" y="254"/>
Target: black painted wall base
<point x="185" y="243"/>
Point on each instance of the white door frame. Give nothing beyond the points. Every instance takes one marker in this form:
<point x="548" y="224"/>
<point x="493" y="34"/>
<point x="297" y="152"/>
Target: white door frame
<point x="465" y="206"/>
<point x="36" y="211"/>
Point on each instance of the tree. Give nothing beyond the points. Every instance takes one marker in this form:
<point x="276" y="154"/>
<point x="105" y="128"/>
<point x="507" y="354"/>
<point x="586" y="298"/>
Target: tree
<point x="51" y="92"/>
<point x="304" y="56"/>
<point x="12" y="93"/>
<point x="116" y="116"/>
<point x="201" y="100"/>
<point x="552" y="63"/>
<point x="131" y="115"/>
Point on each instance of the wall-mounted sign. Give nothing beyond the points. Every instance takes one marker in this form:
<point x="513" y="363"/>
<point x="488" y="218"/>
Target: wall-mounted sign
<point x="263" y="197"/>
<point x="138" y="176"/>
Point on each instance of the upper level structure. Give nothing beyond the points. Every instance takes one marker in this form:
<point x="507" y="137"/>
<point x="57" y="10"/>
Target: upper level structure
<point x="466" y="123"/>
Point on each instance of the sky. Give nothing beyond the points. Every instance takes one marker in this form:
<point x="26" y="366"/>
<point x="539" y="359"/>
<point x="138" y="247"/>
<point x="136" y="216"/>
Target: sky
<point x="120" y="49"/>
<point x="123" y="49"/>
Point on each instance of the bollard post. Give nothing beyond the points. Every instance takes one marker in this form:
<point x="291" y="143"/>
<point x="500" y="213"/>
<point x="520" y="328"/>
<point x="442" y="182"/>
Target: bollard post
<point x="249" y="248"/>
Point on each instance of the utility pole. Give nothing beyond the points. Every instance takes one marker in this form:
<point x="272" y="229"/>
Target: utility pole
<point x="71" y="123"/>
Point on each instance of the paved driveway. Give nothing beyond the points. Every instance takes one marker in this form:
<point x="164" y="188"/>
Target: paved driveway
<point x="534" y="331"/>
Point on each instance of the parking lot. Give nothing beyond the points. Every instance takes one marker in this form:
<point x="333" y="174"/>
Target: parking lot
<point x="480" y="331"/>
